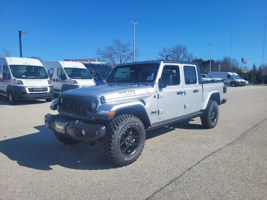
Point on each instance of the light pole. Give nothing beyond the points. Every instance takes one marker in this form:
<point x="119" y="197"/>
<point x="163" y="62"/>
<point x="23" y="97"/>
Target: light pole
<point x="210" y="55"/>
<point x="134" y="23"/>
<point x="20" y="44"/>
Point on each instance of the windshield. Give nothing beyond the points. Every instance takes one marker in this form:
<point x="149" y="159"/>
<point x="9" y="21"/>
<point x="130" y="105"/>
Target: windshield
<point x="28" y="72"/>
<point x="78" y="73"/>
<point x="103" y="69"/>
<point x="236" y="76"/>
<point x="139" y="73"/>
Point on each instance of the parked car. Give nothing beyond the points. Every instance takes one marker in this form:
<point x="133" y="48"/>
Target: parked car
<point x="209" y="78"/>
<point x="67" y="75"/>
<point x="138" y="97"/>
<point x="23" y="79"/>
<point x="230" y="78"/>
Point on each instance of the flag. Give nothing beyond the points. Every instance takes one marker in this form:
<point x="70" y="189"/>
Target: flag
<point x="244" y="61"/>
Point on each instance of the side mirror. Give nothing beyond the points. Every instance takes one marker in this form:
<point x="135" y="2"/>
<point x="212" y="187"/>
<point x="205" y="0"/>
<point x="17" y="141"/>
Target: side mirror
<point x="161" y="84"/>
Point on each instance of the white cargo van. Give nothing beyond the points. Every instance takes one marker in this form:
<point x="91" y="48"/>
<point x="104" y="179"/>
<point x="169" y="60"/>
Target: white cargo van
<point x="67" y="75"/>
<point x="24" y="78"/>
<point x="230" y="78"/>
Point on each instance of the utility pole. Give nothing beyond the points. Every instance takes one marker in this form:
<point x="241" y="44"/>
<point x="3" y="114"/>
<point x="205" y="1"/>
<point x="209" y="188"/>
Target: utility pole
<point x="134" y="23"/>
<point x="20" y="43"/>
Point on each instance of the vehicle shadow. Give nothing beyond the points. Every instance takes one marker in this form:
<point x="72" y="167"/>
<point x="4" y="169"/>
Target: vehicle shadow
<point x="41" y="150"/>
<point x="4" y="101"/>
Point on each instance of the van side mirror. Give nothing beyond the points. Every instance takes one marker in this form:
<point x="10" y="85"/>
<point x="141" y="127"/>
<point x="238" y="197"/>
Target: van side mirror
<point x="161" y="84"/>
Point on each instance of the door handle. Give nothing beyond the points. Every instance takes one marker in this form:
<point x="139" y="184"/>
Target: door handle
<point x="180" y="92"/>
<point x="195" y="91"/>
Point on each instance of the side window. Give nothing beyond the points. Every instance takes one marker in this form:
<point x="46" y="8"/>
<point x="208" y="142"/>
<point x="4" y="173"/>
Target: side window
<point x="190" y="76"/>
<point x="6" y="73"/>
<point x="170" y="75"/>
<point x="60" y="74"/>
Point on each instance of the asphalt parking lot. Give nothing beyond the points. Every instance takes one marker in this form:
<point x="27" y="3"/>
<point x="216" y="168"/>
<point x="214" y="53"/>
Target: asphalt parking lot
<point x="182" y="161"/>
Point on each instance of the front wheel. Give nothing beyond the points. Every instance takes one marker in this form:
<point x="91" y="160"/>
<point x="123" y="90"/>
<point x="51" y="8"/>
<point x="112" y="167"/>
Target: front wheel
<point x="210" y="117"/>
<point x="64" y="139"/>
<point x="124" y="140"/>
<point x="11" y="98"/>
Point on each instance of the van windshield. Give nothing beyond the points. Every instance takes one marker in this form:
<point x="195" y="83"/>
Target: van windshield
<point x="28" y="72"/>
<point x="78" y="73"/>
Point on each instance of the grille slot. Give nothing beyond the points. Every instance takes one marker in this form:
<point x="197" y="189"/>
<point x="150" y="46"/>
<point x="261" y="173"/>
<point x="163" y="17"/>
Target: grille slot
<point x="78" y="106"/>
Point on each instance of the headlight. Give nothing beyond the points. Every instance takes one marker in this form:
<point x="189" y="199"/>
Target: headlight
<point x="49" y="82"/>
<point x="17" y="82"/>
<point x="73" y="81"/>
<point x="93" y="104"/>
<point x="54" y="104"/>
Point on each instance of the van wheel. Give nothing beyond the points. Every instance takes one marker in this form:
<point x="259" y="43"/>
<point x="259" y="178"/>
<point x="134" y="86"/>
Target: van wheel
<point x="48" y="99"/>
<point x="11" y="98"/>
<point x="124" y="140"/>
<point x="210" y="117"/>
<point x="66" y="140"/>
<point x="233" y="84"/>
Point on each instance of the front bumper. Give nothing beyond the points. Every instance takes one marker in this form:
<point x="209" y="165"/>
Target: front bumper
<point x="20" y="93"/>
<point x="76" y="129"/>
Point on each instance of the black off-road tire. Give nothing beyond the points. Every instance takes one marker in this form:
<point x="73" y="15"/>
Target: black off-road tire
<point x="210" y="117"/>
<point x="124" y="140"/>
<point x="64" y="139"/>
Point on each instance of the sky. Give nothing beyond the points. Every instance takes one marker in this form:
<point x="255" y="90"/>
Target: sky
<point x="58" y="30"/>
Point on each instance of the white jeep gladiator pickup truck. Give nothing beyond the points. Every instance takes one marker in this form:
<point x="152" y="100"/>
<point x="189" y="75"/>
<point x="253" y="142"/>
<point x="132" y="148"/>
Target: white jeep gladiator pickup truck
<point x="138" y="97"/>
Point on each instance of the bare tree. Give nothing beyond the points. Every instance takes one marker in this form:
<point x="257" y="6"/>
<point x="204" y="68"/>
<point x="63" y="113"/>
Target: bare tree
<point x="179" y="52"/>
<point x="117" y="53"/>
<point x="6" y="53"/>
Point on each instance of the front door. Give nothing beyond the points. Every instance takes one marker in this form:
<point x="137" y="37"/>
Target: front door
<point x="171" y="96"/>
<point x="59" y="80"/>
<point x="5" y="80"/>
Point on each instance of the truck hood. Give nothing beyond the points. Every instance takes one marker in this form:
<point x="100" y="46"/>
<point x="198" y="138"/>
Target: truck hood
<point x="113" y="92"/>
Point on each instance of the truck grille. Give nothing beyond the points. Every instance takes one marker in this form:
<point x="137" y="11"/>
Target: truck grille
<point x="76" y="106"/>
<point x="38" y="89"/>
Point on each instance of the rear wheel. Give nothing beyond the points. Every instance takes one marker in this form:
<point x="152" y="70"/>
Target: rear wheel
<point x="210" y="117"/>
<point x="124" y="140"/>
<point x="64" y="139"/>
<point x="233" y="84"/>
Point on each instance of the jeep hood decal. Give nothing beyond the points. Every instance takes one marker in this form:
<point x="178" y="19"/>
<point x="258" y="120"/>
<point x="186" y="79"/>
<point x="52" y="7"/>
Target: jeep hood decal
<point x="113" y="92"/>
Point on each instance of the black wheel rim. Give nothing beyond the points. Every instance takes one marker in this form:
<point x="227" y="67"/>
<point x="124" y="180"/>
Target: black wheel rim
<point x="129" y="141"/>
<point x="213" y="115"/>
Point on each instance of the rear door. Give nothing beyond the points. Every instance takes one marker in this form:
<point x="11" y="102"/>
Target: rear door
<point x="192" y="89"/>
<point x="171" y="97"/>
